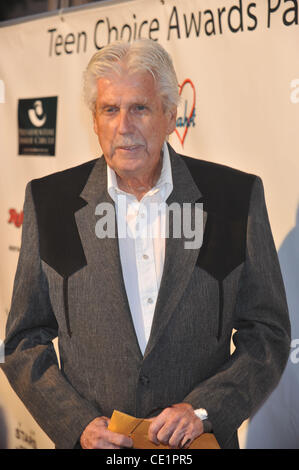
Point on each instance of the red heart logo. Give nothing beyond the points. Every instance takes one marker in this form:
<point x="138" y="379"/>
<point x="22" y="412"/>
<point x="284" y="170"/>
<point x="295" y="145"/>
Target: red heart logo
<point x="182" y="137"/>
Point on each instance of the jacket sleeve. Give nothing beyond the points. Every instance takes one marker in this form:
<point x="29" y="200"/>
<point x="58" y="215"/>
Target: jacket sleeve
<point x="262" y="333"/>
<point x="31" y="364"/>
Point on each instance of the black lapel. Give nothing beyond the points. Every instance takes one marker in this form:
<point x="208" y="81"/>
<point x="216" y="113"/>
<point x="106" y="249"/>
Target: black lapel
<point x="57" y="198"/>
<point x="226" y="196"/>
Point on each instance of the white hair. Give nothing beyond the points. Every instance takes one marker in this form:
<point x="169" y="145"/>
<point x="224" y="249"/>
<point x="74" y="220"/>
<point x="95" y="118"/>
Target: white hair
<point x="139" y="56"/>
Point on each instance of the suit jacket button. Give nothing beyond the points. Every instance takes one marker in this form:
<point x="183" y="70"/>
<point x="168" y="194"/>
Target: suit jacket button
<point x="144" y="380"/>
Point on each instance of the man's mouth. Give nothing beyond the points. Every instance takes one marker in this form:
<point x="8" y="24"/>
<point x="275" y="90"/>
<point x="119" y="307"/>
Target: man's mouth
<point x="129" y="148"/>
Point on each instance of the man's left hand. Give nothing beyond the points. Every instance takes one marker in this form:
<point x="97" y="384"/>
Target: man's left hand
<point x="177" y="426"/>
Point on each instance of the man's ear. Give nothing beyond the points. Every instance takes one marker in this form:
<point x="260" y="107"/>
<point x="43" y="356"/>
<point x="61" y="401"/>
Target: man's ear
<point x="172" y="113"/>
<point x="95" y="124"/>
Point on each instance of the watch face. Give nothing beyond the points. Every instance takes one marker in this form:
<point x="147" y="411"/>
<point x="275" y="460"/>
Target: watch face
<point x="201" y="413"/>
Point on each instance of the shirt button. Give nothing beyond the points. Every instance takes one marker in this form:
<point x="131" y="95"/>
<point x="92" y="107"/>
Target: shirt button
<point x="145" y="256"/>
<point x="150" y="300"/>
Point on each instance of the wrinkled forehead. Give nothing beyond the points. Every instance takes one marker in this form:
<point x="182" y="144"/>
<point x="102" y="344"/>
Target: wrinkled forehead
<point x="124" y="83"/>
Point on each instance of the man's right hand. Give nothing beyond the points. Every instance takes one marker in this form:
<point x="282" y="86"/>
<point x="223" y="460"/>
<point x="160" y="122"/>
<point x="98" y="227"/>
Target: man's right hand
<point x="96" y="435"/>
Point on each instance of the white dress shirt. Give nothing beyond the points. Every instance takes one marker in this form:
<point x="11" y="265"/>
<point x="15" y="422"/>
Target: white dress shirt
<point x="141" y="238"/>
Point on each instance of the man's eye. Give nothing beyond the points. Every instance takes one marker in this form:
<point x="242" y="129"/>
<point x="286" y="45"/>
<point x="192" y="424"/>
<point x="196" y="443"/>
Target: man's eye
<point x="140" y="107"/>
<point x="110" y="109"/>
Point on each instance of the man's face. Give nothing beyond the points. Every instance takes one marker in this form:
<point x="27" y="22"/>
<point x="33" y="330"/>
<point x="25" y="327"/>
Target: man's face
<point x="131" y="124"/>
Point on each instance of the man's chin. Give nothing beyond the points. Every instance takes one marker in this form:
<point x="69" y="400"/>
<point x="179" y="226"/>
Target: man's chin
<point x="129" y="170"/>
<point x="130" y="163"/>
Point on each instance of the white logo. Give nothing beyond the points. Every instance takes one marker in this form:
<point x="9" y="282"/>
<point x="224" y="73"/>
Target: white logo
<point x="37" y="115"/>
<point x="2" y="92"/>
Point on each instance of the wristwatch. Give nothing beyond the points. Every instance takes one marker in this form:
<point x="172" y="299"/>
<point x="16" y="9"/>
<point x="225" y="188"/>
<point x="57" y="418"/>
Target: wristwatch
<point x="203" y="415"/>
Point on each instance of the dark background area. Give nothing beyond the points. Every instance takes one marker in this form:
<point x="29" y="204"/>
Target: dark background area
<point x="12" y="9"/>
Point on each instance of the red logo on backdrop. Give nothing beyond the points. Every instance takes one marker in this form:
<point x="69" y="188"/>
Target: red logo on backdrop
<point x="188" y="118"/>
<point x="16" y="218"/>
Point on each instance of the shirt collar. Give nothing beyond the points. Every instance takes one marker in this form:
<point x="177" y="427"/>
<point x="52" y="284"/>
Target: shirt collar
<point x="164" y="183"/>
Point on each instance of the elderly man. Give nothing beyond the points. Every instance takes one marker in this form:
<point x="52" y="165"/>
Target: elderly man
<point x="144" y="322"/>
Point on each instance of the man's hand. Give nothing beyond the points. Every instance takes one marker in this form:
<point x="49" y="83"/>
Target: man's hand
<point x="177" y="426"/>
<point x="96" y="435"/>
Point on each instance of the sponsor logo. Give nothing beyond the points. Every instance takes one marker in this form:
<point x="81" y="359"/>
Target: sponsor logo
<point x="15" y="217"/>
<point x="37" y="126"/>
<point x="24" y="439"/>
<point x="36" y="114"/>
<point x="186" y="110"/>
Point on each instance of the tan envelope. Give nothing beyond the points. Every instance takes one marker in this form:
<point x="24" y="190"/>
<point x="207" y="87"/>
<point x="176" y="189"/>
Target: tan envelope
<point x="137" y="429"/>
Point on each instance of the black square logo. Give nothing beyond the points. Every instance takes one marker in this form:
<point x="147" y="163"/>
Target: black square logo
<point x="37" y="126"/>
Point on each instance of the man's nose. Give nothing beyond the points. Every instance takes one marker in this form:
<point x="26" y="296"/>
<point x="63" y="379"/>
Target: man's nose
<point x="124" y="122"/>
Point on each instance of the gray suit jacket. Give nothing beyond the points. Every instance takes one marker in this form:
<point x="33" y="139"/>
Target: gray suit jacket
<point x="69" y="284"/>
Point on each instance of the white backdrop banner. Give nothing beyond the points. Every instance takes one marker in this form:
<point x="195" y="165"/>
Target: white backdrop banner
<point x="238" y="68"/>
